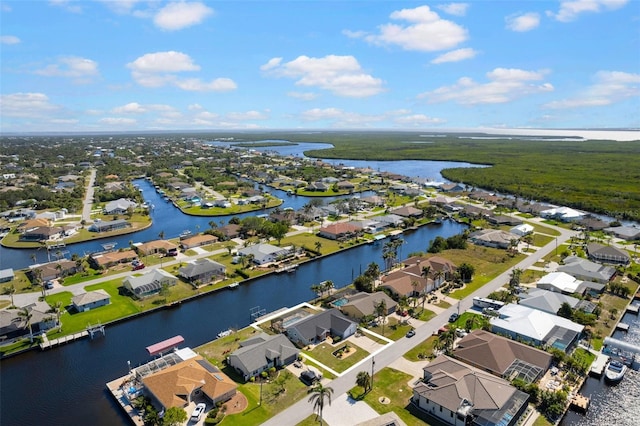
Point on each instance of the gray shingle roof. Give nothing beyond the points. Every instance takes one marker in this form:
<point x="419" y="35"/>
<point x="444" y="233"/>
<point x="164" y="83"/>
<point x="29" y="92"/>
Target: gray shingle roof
<point x="257" y="352"/>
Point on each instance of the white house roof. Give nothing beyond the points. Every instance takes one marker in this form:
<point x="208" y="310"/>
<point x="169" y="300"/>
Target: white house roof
<point x="261" y="252"/>
<point x="90" y="297"/>
<point x="530" y="322"/>
<point x="562" y="281"/>
<point x="522" y="229"/>
<point x="563" y="212"/>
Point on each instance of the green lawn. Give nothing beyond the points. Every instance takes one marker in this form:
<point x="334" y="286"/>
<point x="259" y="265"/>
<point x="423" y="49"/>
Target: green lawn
<point x="72" y="322"/>
<point x="323" y="353"/>
<point x="422" y="351"/>
<point x="393" y="385"/>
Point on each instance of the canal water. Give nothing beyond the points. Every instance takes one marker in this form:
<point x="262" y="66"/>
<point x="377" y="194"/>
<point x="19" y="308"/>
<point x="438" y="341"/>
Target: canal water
<point x="66" y="385"/>
<point x="615" y="405"/>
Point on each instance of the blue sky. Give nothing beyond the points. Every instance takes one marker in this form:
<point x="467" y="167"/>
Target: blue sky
<point x="82" y="66"/>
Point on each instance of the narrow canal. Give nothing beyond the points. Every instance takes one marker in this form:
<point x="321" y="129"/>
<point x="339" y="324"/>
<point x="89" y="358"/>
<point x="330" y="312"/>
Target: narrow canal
<point x="66" y="385"/>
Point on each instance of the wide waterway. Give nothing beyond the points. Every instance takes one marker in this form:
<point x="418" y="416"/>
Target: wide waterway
<point x="66" y="385"/>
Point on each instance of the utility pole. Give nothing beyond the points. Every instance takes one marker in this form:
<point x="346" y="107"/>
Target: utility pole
<point x="373" y="364"/>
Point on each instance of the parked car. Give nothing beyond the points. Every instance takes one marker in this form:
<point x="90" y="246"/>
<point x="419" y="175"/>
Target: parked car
<point x="309" y="377"/>
<point x="172" y="252"/>
<point x="48" y="285"/>
<point x="197" y="412"/>
<point x="138" y="266"/>
<point x="454" y="317"/>
<point x="411" y="333"/>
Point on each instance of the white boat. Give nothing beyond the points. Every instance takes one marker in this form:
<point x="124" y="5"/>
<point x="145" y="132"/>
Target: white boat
<point x="234" y="285"/>
<point x="615" y="371"/>
<point x="224" y="333"/>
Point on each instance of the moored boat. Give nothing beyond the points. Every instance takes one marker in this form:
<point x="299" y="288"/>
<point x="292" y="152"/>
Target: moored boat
<point x="615" y="371"/>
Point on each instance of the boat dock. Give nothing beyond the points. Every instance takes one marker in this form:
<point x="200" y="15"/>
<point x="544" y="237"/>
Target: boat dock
<point x="580" y="402"/>
<point x="622" y="326"/>
<point x="633" y="309"/>
<point x="598" y="366"/>
<point x="116" y="388"/>
<point x="47" y="344"/>
<point x="286" y="268"/>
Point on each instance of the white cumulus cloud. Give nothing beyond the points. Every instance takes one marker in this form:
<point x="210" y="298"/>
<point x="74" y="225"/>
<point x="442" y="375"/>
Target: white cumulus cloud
<point x="504" y="85"/>
<point x="163" y="68"/>
<point x="456" y="9"/>
<point x="79" y="69"/>
<point x="609" y="87"/>
<point x="570" y="9"/>
<point x="340" y="75"/>
<point x="303" y="96"/>
<point x="118" y="121"/>
<point x="9" y="39"/>
<point x="455" y="56"/>
<point x="179" y="15"/>
<point x="26" y="105"/>
<point x="422" y="29"/>
<point x="523" y="22"/>
<point x="418" y="120"/>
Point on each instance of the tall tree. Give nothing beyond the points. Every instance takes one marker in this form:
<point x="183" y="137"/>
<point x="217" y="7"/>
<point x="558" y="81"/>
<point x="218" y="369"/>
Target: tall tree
<point x="363" y="379"/>
<point x="26" y="316"/>
<point x="10" y="290"/>
<point x="320" y="394"/>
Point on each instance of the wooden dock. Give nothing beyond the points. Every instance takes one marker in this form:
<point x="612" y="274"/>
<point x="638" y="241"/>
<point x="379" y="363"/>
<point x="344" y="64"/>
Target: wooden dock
<point x="599" y="364"/>
<point x="622" y="326"/>
<point x="47" y="344"/>
<point x="580" y="403"/>
<point x="115" y="387"/>
<point x="633" y="309"/>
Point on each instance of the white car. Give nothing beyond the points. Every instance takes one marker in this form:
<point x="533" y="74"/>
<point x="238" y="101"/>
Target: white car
<point x="197" y="412"/>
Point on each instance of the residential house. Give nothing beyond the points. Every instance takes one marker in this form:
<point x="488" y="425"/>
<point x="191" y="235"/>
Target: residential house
<point x="315" y="329"/>
<point x="12" y="325"/>
<point x="522" y="230"/>
<point x="452" y="187"/>
<point x="607" y="254"/>
<point x="407" y="282"/>
<point x="493" y="238"/>
<point x="149" y="283"/>
<point x="584" y="269"/>
<point x="364" y="304"/>
<point x="111" y="258"/>
<point x="340" y="231"/>
<point x="119" y="206"/>
<point x="198" y="241"/>
<point x="564" y="214"/>
<point x="390" y="220"/>
<point x="153" y="247"/>
<point x="345" y="185"/>
<point x="53" y="270"/>
<point x="109" y="225"/>
<point x="265" y="253"/>
<point x="90" y="300"/>
<point x="502" y="220"/>
<point x="230" y="231"/>
<point x="178" y="384"/>
<point x="562" y="282"/>
<point x="374" y="200"/>
<point x="203" y="271"/>
<point x="629" y="233"/>
<point x="317" y="187"/>
<point x="440" y="268"/>
<point x="536" y="327"/>
<point x="408" y="211"/>
<point x="458" y="394"/>
<point x="551" y="301"/>
<point x="6" y="275"/>
<point x="386" y="419"/>
<point x="593" y="224"/>
<point x="261" y="352"/>
<point x="502" y="357"/>
<point x="42" y="233"/>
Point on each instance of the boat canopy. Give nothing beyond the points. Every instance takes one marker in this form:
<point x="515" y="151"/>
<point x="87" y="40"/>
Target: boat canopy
<point x="165" y="345"/>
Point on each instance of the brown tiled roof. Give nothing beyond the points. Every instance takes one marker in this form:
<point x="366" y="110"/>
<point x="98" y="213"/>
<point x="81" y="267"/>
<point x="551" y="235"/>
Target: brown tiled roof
<point x="173" y="385"/>
<point x="340" y="228"/>
<point x="114" y="257"/>
<point x="199" y="240"/>
<point x="156" y="245"/>
<point x="495" y="354"/>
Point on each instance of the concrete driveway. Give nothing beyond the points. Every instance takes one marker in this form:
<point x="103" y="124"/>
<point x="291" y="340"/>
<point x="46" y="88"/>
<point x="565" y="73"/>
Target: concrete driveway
<point x="345" y="411"/>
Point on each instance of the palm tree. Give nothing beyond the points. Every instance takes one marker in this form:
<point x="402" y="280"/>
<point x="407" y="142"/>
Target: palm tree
<point x="161" y="235"/>
<point x="26" y="315"/>
<point x="320" y="393"/>
<point x="10" y="290"/>
<point x="327" y="285"/>
<point x="318" y="246"/>
<point x="414" y="284"/>
<point x="373" y="271"/>
<point x="33" y="258"/>
<point x="363" y="379"/>
<point x="426" y="270"/>
<point x="57" y="309"/>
